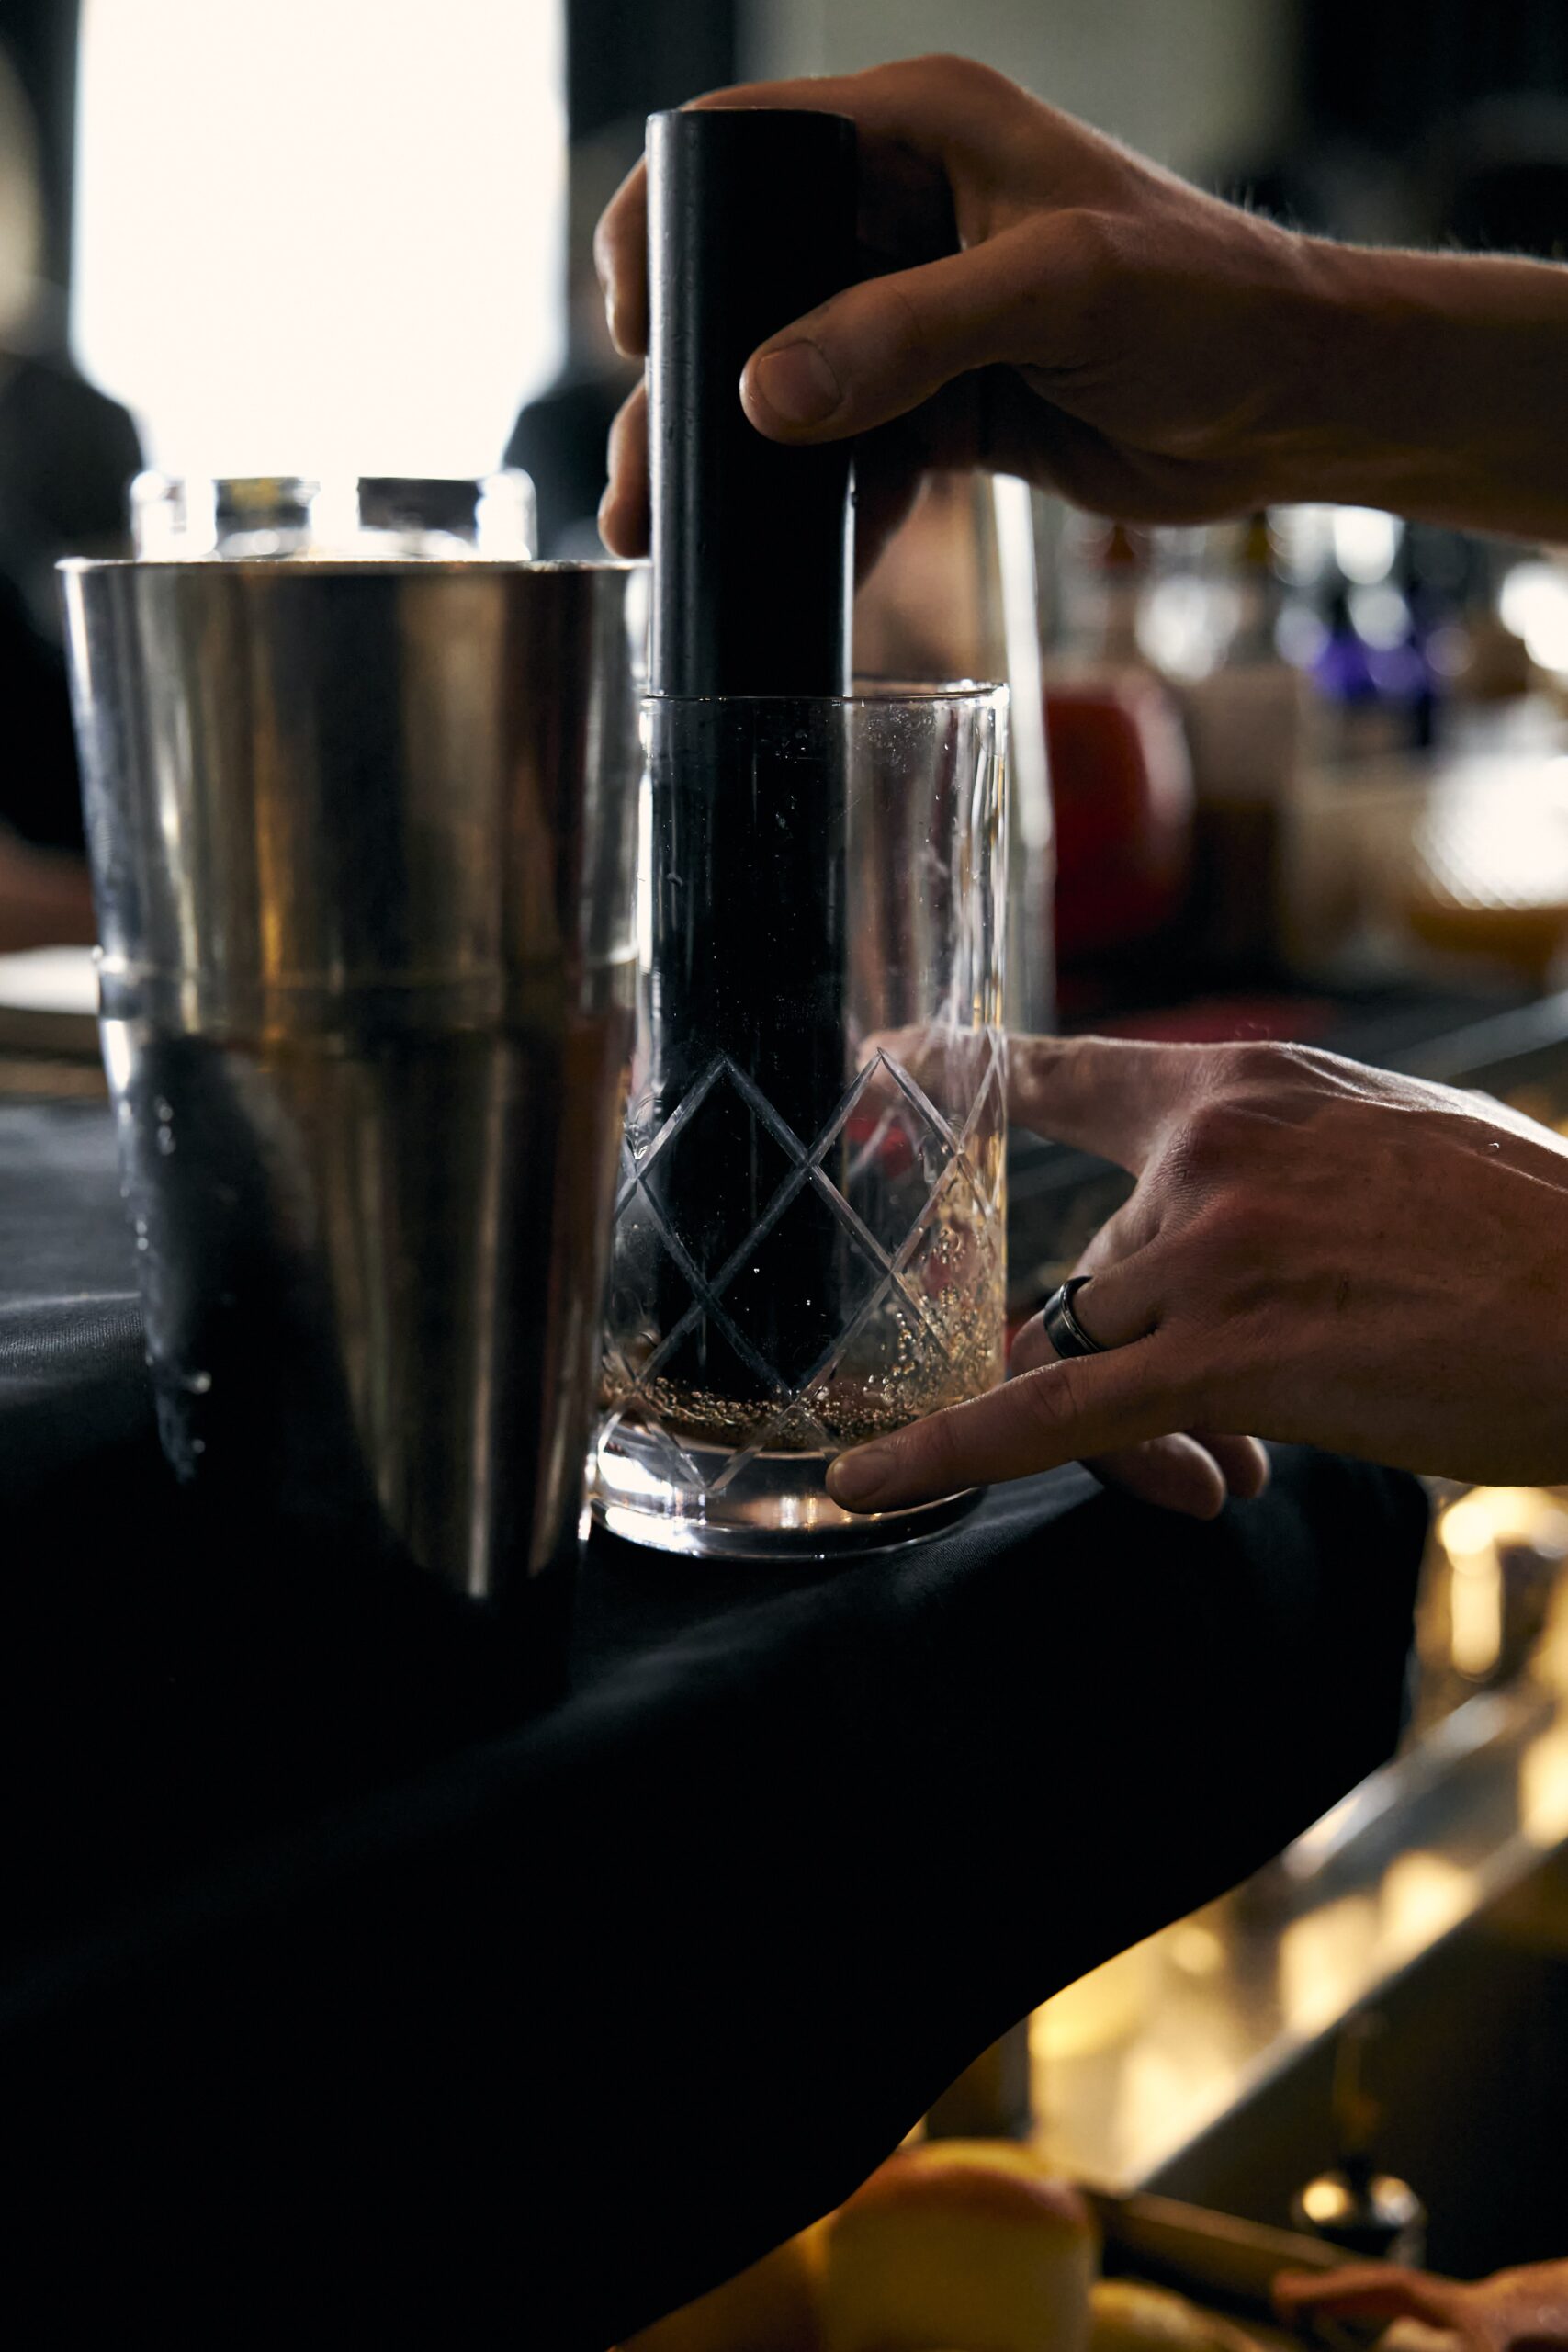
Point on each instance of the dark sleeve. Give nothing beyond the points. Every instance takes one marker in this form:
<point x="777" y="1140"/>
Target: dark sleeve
<point x="67" y="457"/>
<point x="72" y="453"/>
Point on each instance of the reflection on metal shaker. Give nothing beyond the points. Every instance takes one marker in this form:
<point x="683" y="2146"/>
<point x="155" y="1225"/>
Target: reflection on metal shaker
<point x="361" y="843"/>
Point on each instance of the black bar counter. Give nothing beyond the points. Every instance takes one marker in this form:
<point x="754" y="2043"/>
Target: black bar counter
<point x="342" y="1987"/>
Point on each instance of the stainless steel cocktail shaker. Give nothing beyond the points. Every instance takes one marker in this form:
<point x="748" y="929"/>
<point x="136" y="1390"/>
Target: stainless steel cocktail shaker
<point x="361" y="841"/>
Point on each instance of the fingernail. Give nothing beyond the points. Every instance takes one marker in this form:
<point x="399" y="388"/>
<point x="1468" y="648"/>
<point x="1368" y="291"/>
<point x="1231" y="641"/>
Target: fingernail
<point x="856" y="1479"/>
<point x="797" y="384"/>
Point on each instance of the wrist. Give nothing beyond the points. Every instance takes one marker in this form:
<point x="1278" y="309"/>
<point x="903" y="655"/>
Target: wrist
<point x="1428" y="383"/>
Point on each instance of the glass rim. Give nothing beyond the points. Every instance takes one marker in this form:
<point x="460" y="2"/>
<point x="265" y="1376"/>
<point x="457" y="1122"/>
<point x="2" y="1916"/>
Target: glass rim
<point x="870" y="693"/>
<point x="347" y="566"/>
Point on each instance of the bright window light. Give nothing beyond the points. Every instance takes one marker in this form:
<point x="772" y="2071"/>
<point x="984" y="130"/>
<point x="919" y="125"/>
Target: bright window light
<point x="321" y="236"/>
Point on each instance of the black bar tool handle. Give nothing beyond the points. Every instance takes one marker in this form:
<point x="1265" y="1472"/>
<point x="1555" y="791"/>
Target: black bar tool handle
<point x="751" y="224"/>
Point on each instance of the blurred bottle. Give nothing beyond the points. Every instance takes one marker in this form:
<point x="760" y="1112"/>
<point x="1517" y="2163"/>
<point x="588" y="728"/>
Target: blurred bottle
<point x="1246" y="723"/>
<point x="1435" y="574"/>
<point x="1371" y="2214"/>
<point x="1358" y="720"/>
<point x="1498" y="667"/>
<point x="1378" y="689"/>
<point x="1121" y="781"/>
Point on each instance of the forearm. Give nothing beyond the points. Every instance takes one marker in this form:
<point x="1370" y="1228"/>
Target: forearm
<point x="1055" y="306"/>
<point x="1433" y="384"/>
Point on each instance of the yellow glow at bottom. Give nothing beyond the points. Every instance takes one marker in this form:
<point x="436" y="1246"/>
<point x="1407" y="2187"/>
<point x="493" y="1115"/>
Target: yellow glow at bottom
<point x="1102" y="2009"/>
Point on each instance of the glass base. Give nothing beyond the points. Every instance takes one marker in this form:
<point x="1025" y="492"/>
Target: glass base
<point x="775" y="1508"/>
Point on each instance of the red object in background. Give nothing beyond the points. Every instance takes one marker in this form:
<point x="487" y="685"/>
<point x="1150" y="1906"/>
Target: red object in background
<point x="1123" y="788"/>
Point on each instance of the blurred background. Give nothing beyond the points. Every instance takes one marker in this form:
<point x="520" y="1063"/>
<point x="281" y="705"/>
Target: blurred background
<point x="311" y="241"/>
<point x="1308" y="773"/>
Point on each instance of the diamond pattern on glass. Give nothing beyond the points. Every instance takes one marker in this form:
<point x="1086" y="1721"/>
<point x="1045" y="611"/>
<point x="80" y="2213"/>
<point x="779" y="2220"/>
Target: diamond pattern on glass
<point x="895" y="1205"/>
<point x="792" y="1328"/>
<point x="713" y="1176"/>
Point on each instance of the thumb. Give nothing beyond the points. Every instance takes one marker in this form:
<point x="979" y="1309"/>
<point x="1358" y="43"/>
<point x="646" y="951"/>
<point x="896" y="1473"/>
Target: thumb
<point x="880" y="348"/>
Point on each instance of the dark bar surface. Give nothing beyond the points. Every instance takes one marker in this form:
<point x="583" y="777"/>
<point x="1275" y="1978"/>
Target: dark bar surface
<point x="335" y="1981"/>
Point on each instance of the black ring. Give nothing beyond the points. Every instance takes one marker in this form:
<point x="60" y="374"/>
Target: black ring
<point x="1064" y="1331"/>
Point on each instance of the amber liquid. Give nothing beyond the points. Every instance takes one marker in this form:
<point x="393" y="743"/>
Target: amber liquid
<point x="929" y="1334"/>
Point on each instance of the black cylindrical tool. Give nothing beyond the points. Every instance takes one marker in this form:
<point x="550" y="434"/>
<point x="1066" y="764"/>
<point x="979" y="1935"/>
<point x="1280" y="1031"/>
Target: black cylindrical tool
<point x="752" y="222"/>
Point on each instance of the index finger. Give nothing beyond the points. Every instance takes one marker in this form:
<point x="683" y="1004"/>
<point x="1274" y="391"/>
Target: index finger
<point x="1084" y="1406"/>
<point x="1107" y="1095"/>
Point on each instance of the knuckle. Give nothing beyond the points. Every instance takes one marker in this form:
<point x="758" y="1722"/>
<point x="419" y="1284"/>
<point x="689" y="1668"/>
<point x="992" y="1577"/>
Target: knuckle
<point x="1252" y="1062"/>
<point x="1083" y="251"/>
<point x="1278" y="1073"/>
<point x="1240" y="1228"/>
<point x="1210" y="1138"/>
<point x="1227" y="1268"/>
<point x="618" y="228"/>
<point x="628" y="423"/>
<point x="1096" y="239"/>
<point x="1116" y="1239"/>
<point x="1031" y="1063"/>
<point x="1078" y="277"/>
<point x="955" y="76"/>
<point x="1052" y="1398"/>
<point x="903" y="328"/>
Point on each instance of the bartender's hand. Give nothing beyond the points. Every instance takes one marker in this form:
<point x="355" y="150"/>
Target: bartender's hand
<point x="1507" y="2313"/>
<point x="1313" y="1251"/>
<point x="1040" y="300"/>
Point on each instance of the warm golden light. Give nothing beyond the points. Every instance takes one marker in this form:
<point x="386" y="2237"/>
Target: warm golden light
<point x="1473" y="1533"/>
<point x="1490" y="1515"/>
<point x="1102" y="2009"/>
<point x="1476" y="1605"/>
<point x="1544" y="1788"/>
<point x="1326" y="1960"/>
<point x="1424" y="1895"/>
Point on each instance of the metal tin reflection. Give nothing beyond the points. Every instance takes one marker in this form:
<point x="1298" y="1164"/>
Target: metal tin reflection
<point x="360" y="837"/>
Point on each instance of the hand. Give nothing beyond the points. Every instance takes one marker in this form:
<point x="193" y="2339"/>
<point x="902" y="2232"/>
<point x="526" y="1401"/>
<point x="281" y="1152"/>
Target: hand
<point x="1040" y="300"/>
<point x="1512" y="2309"/>
<point x="1313" y="1251"/>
